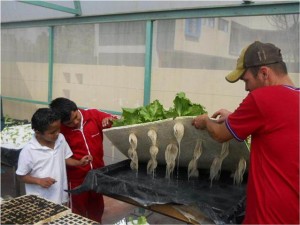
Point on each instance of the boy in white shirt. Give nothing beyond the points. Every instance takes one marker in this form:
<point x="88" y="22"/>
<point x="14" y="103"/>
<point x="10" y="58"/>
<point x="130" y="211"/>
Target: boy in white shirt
<point x="42" y="162"/>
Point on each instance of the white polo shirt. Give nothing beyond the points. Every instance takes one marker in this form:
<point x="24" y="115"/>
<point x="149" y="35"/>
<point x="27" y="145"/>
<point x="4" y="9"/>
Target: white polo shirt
<point x="41" y="161"/>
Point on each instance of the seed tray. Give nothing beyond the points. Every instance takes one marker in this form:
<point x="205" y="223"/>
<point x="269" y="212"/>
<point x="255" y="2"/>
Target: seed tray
<point x="31" y="209"/>
<point x="73" y="218"/>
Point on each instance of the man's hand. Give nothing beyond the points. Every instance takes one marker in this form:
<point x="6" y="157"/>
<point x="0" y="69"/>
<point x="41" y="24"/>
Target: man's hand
<point x="221" y="115"/>
<point x="216" y="129"/>
<point x="200" y="121"/>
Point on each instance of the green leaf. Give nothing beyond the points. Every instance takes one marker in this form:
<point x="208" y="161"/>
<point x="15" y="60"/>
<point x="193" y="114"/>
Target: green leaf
<point x="184" y="107"/>
<point x="181" y="104"/>
<point x="152" y="112"/>
<point x="194" y="110"/>
<point x="129" y="116"/>
<point x="155" y="111"/>
<point x="130" y="219"/>
<point x="142" y="220"/>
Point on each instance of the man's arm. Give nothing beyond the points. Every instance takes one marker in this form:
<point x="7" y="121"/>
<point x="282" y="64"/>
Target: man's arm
<point x="218" y="131"/>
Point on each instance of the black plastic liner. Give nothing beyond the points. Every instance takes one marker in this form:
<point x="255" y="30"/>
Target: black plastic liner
<point x="10" y="157"/>
<point x="221" y="202"/>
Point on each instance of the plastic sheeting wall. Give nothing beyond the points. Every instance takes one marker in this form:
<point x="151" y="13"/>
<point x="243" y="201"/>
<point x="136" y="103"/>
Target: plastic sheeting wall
<point x="102" y="65"/>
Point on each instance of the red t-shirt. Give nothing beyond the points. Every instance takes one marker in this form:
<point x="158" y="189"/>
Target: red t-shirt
<point x="271" y="116"/>
<point x="85" y="141"/>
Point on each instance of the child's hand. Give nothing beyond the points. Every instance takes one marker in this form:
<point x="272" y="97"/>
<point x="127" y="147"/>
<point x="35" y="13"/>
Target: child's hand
<point x="46" y="182"/>
<point x="86" y="159"/>
<point x="107" y="122"/>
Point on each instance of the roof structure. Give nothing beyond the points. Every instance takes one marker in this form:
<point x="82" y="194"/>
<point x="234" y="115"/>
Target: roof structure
<point x="41" y="10"/>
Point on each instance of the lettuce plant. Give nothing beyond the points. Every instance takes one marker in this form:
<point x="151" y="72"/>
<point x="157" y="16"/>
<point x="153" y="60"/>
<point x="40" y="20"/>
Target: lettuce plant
<point x="155" y="111"/>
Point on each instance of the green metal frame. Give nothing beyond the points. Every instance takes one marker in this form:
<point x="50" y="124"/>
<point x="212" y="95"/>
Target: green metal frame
<point x="76" y="11"/>
<point x="255" y="9"/>
<point x="252" y="9"/>
<point x="148" y="62"/>
<point x="50" y="66"/>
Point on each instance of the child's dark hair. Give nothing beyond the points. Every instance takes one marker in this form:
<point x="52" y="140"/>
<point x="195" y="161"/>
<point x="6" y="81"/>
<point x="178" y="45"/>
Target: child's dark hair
<point x="64" y="108"/>
<point x="42" y="118"/>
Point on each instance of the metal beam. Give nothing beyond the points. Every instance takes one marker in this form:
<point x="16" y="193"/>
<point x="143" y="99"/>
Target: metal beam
<point x="24" y="100"/>
<point x="255" y="9"/>
<point x="77" y="6"/>
<point x="76" y="11"/>
<point x="148" y="62"/>
<point x="50" y="63"/>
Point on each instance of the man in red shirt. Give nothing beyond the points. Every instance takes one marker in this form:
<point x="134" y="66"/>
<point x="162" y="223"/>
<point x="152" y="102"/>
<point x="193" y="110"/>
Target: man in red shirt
<point x="270" y="114"/>
<point x="82" y="129"/>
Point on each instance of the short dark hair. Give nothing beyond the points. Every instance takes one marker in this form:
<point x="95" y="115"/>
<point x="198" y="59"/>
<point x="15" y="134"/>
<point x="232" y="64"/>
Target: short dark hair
<point x="42" y="118"/>
<point x="279" y="67"/>
<point x="64" y="107"/>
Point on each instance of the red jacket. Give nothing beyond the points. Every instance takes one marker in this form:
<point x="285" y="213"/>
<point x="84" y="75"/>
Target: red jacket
<point x="85" y="141"/>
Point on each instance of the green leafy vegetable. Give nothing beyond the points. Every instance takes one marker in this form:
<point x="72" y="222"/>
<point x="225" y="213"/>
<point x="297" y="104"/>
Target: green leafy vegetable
<point x="141" y="220"/>
<point x="155" y="111"/>
<point x="184" y="107"/>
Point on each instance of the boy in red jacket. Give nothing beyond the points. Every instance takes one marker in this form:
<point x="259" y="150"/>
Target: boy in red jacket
<point x="82" y="129"/>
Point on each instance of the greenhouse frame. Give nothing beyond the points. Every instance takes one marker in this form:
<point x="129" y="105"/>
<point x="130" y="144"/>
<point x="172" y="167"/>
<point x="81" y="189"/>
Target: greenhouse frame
<point x="145" y="52"/>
